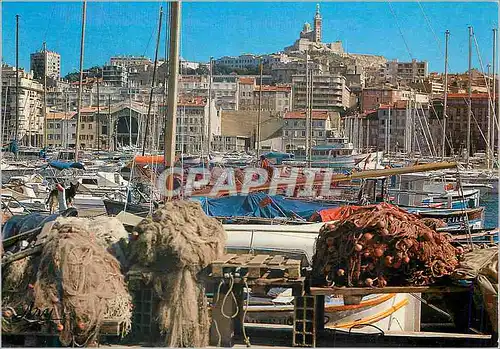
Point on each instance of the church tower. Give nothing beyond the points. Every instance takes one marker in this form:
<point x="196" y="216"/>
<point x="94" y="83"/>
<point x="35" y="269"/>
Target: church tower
<point x="317" y="25"/>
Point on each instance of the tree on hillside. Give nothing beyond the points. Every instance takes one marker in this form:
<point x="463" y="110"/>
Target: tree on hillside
<point x="75" y="76"/>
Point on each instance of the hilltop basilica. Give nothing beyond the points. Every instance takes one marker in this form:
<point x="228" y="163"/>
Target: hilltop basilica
<point x="310" y="38"/>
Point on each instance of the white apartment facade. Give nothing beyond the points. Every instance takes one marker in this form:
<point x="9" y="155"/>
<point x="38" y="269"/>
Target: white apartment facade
<point x="30" y="107"/>
<point x="294" y="128"/>
<point x="61" y="129"/>
<point x="196" y="121"/>
<point x="330" y="92"/>
<point x="45" y="61"/>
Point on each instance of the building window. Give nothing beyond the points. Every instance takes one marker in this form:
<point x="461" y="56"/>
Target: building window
<point x="49" y="137"/>
<point x="303" y="133"/>
<point x="50" y="125"/>
<point x="83" y="126"/>
<point x="90" y="126"/>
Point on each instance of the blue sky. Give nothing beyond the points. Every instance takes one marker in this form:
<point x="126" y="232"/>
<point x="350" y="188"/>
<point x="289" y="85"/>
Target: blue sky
<point x="233" y="28"/>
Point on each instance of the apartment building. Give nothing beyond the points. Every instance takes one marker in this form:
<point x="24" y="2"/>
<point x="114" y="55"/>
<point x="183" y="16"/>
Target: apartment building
<point x="329" y="92"/>
<point x="273" y="98"/>
<point x="196" y="122"/>
<point x="246" y="91"/>
<point x="397" y="127"/>
<point x="222" y="143"/>
<point x="114" y="75"/>
<point x="457" y="112"/>
<point x="30" y="121"/>
<point x="45" y="61"/>
<point x="61" y="129"/>
<point x="225" y="91"/>
<point x="406" y="72"/>
<point x="294" y="128"/>
<point x="127" y="61"/>
<point x="251" y="60"/>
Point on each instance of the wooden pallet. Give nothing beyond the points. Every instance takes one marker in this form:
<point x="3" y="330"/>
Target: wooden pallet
<point x="257" y="265"/>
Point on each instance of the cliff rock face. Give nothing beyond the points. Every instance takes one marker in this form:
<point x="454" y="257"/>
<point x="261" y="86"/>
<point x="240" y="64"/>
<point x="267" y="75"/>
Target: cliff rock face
<point x="368" y="61"/>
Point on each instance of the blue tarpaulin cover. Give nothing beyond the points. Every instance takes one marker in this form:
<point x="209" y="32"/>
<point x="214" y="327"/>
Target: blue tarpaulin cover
<point x="278" y="155"/>
<point x="260" y="205"/>
<point x="13" y="147"/>
<point x="22" y="223"/>
<point x="61" y="165"/>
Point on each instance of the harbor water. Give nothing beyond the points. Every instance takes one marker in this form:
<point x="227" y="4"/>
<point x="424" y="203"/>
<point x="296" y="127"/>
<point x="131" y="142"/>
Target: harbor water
<point x="490" y="203"/>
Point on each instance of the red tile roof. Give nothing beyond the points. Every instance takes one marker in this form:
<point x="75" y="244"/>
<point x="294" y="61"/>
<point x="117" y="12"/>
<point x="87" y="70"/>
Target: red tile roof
<point x="247" y="81"/>
<point x="316" y="115"/>
<point x="192" y="102"/>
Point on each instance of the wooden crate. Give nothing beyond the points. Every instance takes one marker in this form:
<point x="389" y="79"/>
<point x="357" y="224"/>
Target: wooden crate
<point x="257" y="266"/>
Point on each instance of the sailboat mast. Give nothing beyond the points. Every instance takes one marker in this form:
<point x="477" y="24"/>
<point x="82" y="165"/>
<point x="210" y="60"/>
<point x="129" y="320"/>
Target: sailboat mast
<point x="488" y="118"/>
<point x="109" y="122"/>
<point x="5" y="109"/>
<point x="129" y="118"/>
<point x="152" y="84"/>
<point x="259" y="115"/>
<point x="389" y="136"/>
<point x="445" y="107"/>
<point x="45" y="95"/>
<point x="307" y="107"/>
<point x="469" y="111"/>
<point x="173" y="61"/>
<point x="210" y="105"/>
<point x="494" y="113"/>
<point x="79" y="102"/>
<point x="98" y="121"/>
<point x="64" y="120"/>
<point x="17" y="78"/>
<point x="311" y="110"/>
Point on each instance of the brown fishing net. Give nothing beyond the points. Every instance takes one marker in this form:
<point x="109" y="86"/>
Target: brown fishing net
<point x="17" y="278"/>
<point x="75" y="280"/>
<point x="433" y="223"/>
<point x="176" y="244"/>
<point x="380" y="246"/>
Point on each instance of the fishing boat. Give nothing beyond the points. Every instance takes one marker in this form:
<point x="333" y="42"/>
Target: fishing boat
<point x="338" y="153"/>
<point x="455" y="219"/>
